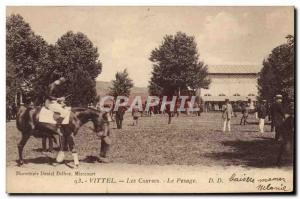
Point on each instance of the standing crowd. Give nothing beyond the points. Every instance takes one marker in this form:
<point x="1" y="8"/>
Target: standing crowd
<point x="276" y="112"/>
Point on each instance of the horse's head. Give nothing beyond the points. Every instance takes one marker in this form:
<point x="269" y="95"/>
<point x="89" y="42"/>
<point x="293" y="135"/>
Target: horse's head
<point x="101" y="123"/>
<point x="99" y="119"/>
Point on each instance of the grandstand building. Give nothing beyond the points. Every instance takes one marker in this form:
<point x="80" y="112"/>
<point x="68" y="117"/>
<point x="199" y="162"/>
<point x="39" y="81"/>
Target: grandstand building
<point x="235" y="82"/>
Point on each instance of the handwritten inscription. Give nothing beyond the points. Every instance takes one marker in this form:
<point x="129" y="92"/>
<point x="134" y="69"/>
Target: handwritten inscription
<point x="274" y="184"/>
<point x="270" y="187"/>
<point x="264" y="184"/>
<point x="242" y="178"/>
<point x="271" y="179"/>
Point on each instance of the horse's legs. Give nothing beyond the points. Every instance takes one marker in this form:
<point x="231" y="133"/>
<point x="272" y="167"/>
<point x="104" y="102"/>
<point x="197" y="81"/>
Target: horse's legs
<point x="50" y="144"/>
<point x="44" y="144"/>
<point x="24" y="139"/>
<point x="64" y="143"/>
<point x="71" y="144"/>
<point x="61" y="155"/>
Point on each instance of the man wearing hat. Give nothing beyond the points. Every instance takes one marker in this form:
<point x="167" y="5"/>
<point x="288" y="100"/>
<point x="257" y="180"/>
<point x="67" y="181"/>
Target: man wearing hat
<point x="277" y="114"/>
<point x="270" y="110"/>
<point x="56" y="103"/>
<point x="120" y="114"/>
<point x="262" y="113"/>
<point x="226" y="115"/>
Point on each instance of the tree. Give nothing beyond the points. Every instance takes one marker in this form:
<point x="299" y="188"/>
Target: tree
<point x="277" y="74"/>
<point x="46" y="75"/>
<point x="154" y="89"/>
<point x="176" y="66"/>
<point x="11" y="83"/>
<point x="75" y="57"/>
<point x="25" y="55"/>
<point x="32" y="64"/>
<point x="121" y="85"/>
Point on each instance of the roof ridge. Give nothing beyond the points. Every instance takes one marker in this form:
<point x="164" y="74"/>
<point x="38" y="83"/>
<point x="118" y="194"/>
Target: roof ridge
<point x="234" y="68"/>
<point x="233" y="64"/>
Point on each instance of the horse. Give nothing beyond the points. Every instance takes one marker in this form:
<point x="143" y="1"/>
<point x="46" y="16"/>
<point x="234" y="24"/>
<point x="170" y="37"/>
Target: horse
<point x="78" y="117"/>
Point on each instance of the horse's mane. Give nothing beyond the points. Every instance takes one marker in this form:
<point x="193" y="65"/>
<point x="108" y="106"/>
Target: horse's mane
<point x="94" y="109"/>
<point x="85" y="114"/>
<point x="75" y="109"/>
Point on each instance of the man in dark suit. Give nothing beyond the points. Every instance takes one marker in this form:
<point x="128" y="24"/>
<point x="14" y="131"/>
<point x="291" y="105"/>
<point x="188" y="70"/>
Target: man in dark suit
<point x="120" y="114"/>
<point x="270" y="107"/>
<point x="277" y="112"/>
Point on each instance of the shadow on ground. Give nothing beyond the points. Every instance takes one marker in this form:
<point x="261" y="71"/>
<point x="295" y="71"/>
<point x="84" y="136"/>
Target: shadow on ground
<point x="39" y="160"/>
<point x="90" y="159"/>
<point x="48" y="160"/>
<point x="41" y="150"/>
<point x="260" y="153"/>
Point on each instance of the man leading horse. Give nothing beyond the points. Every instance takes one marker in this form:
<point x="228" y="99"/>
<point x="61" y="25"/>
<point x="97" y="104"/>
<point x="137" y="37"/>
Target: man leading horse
<point x="28" y="122"/>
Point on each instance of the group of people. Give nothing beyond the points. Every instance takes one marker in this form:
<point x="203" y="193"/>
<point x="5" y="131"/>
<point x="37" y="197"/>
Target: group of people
<point x="136" y="113"/>
<point x="276" y="113"/>
<point x="229" y="110"/>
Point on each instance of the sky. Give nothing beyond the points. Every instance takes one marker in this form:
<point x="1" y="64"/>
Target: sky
<point x="125" y="36"/>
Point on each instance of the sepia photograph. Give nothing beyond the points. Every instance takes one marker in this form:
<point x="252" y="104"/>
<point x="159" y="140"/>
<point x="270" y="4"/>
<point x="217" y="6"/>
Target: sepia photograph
<point x="150" y="99"/>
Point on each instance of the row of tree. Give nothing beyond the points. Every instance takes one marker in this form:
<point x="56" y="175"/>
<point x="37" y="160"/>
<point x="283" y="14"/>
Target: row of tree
<point x="277" y="75"/>
<point x="32" y="64"/>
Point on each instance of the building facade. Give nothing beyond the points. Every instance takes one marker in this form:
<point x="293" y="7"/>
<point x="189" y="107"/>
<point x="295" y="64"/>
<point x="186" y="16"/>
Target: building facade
<point x="235" y="82"/>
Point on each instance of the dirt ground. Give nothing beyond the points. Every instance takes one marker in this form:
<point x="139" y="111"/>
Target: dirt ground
<point x="188" y="140"/>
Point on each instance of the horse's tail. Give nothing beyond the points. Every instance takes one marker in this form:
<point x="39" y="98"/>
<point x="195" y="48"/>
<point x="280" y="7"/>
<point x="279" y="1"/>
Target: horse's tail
<point x="22" y="120"/>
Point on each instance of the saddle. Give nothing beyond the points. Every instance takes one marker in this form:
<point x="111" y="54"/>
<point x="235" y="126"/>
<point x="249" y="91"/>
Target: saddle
<point x="50" y="117"/>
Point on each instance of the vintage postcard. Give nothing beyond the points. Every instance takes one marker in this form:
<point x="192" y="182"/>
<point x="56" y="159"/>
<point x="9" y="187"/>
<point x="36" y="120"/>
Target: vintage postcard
<point x="150" y="99"/>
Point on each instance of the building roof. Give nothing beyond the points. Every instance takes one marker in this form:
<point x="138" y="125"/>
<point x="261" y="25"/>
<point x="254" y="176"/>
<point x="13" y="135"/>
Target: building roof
<point x="231" y="98"/>
<point x="234" y="69"/>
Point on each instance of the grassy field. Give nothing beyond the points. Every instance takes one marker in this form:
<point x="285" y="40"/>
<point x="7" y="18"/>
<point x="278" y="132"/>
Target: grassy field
<point x="188" y="140"/>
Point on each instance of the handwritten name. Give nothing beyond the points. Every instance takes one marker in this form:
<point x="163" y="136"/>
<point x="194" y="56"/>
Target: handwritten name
<point x="271" y="187"/>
